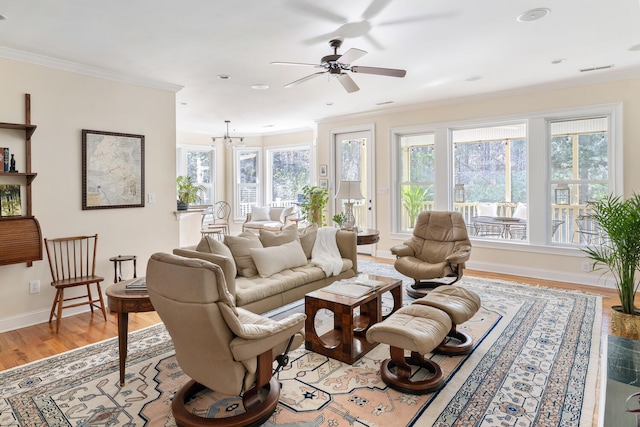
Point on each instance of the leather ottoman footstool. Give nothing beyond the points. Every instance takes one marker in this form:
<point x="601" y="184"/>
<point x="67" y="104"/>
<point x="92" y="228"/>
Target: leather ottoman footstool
<point x="460" y="304"/>
<point x="419" y="329"/>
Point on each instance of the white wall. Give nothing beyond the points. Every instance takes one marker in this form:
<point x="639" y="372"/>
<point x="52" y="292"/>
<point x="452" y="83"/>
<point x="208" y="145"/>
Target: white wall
<point x="528" y="261"/>
<point x="62" y="104"/>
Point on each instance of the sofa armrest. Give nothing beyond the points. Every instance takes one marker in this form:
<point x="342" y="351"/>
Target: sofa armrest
<point x="347" y="245"/>
<point x="228" y="265"/>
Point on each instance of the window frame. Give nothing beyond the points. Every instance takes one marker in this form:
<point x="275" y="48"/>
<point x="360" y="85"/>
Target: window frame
<point x="182" y="167"/>
<point x="268" y="157"/>
<point x="538" y="190"/>
<point x="238" y="214"/>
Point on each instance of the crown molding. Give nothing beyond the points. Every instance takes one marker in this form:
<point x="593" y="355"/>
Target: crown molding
<point x="87" y="70"/>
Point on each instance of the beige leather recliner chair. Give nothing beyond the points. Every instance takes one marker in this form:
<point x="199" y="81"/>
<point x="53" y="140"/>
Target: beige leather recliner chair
<point x="438" y="249"/>
<point x="221" y="347"/>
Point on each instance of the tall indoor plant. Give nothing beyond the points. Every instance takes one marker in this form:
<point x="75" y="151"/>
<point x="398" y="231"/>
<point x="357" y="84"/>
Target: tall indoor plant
<point x="413" y="198"/>
<point x="313" y="203"/>
<point x="188" y="191"/>
<point x="619" y="251"/>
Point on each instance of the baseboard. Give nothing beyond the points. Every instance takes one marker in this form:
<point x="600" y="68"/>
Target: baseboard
<point x="34" y="318"/>
<point x="589" y="279"/>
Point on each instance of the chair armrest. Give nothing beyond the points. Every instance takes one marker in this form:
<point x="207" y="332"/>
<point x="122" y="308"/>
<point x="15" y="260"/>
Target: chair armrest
<point x="248" y="218"/>
<point x="256" y="334"/>
<point x="462" y="255"/>
<point x="402" y="250"/>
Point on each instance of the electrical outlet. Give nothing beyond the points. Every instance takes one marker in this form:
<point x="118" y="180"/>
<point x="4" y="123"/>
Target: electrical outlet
<point x="34" y="286"/>
<point x="586" y="266"/>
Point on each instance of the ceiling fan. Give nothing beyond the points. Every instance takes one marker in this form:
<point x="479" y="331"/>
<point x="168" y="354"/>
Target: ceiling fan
<point x="337" y="65"/>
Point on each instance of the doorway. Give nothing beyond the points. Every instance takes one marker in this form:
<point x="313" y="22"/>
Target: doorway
<point x="353" y="160"/>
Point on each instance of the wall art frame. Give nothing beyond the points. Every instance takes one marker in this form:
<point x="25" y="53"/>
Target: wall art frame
<point x="112" y="170"/>
<point x="323" y="170"/>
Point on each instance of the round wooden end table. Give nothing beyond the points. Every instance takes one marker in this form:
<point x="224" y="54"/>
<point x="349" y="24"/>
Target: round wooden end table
<point x="367" y="236"/>
<point x="123" y="302"/>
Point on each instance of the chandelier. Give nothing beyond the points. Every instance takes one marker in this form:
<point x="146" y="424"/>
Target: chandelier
<point x="237" y="142"/>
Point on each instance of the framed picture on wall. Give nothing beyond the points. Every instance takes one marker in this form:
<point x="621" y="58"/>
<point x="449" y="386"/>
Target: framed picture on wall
<point x="112" y="170"/>
<point x="323" y="170"/>
<point x="324" y="183"/>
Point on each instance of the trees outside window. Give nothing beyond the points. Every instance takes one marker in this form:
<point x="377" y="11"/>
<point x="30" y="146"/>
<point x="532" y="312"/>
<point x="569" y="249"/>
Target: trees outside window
<point x="247" y="172"/>
<point x="578" y="174"/>
<point x="198" y="162"/>
<point x="416" y="165"/>
<point x="288" y="170"/>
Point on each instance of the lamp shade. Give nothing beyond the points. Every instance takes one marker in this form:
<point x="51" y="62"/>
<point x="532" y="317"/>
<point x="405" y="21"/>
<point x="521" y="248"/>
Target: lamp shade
<point x="349" y="190"/>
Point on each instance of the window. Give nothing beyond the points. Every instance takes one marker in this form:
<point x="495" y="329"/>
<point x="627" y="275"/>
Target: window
<point x="287" y="171"/>
<point x="416" y="165"/>
<point x="247" y="173"/>
<point x="490" y="169"/>
<point x="198" y="162"/>
<point x="579" y="173"/>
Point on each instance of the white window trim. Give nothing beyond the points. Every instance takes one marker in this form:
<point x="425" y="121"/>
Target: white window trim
<point x="268" y="153"/>
<point x="181" y="163"/>
<point x="259" y="187"/>
<point x="537" y="153"/>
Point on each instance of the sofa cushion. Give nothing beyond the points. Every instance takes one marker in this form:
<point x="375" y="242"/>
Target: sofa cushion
<point x="277" y="238"/>
<point x="274" y="259"/>
<point x="308" y="238"/>
<point x="213" y="246"/>
<point x="239" y="246"/>
<point x="260" y="213"/>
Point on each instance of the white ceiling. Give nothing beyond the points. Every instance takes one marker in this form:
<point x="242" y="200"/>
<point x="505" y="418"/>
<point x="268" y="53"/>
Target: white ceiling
<point x="184" y="44"/>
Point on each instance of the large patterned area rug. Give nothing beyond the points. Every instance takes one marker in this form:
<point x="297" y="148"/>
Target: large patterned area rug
<point x="534" y="363"/>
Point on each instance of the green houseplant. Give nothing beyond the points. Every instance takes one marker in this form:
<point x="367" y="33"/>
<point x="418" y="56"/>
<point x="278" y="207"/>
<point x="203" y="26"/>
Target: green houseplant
<point x="619" y="252"/>
<point x="413" y="198"/>
<point x="188" y="192"/>
<point x="313" y="203"/>
<point x="339" y="219"/>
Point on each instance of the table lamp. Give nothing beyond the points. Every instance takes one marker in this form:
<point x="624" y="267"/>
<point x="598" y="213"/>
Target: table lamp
<point x="346" y="191"/>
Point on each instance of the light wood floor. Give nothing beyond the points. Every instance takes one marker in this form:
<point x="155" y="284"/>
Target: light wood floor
<point x="36" y="342"/>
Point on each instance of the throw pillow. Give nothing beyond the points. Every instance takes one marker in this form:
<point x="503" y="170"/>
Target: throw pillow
<point x="277" y="238"/>
<point x="214" y="246"/>
<point x="487" y="209"/>
<point x="272" y="260"/>
<point x="308" y="238"/>
<point x="285" y="213"/>
<point x="260" y="213"/>
<point x="239" y="246"/>
<point x="521" y="211"/>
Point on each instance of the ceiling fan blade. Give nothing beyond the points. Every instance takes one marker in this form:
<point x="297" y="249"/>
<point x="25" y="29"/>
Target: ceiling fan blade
<point x="348" y="83"/>
<point x="393" y="72"/>
<point x="318" y="12"/>
<point x="375" y="8"/>
<point x="295" y="63"/>
<point x="351" y="55"/>
<point x="304" y="79"/>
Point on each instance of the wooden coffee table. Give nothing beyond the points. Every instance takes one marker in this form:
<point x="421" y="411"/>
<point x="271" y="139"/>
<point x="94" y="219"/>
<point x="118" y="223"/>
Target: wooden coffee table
<point x="347" y="340"/>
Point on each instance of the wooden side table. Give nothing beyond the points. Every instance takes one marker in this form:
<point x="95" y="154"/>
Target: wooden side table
<point x="117" y="266"/>
<point x="367" y="237"/>
<point x="347" y="340"/>
<point x="124" y="302"/>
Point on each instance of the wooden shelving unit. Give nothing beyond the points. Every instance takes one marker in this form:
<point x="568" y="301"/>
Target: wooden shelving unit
<point x="20" y="236"/>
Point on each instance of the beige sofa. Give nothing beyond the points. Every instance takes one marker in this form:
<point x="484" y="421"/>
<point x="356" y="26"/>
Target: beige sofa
<point x="260" y="293"/>
<point x="268" y="218"/>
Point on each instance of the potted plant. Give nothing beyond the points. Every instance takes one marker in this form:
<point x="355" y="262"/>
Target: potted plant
<point x="188" y="192"/>
<point x="339" y="219"/>
<point x="314" y="200"/>
<point x="413" y="198"/>
<point x="619" y="252"/>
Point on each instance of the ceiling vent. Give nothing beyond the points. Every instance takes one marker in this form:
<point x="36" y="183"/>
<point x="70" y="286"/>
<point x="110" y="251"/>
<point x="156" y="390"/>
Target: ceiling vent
<point x="603" y="67"/>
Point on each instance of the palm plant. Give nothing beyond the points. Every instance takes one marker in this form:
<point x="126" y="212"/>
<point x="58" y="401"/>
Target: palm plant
<point x="413" y="198"/>
<point x="620" y="250"/>
<point x="188" y="191"/>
